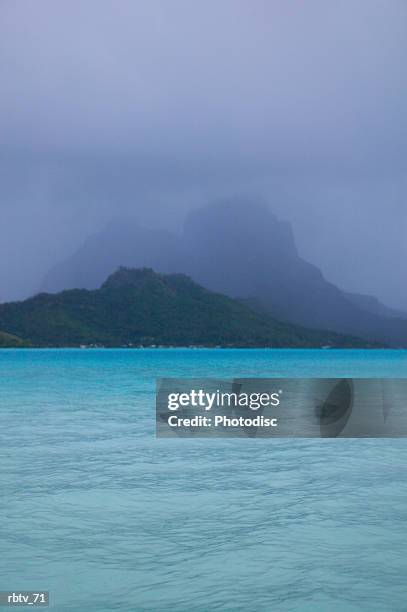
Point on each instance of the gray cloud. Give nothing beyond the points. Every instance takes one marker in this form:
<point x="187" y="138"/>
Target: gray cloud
<point x="157" y="107"/>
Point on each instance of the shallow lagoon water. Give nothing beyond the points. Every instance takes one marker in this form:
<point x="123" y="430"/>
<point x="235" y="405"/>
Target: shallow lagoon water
<point x="107" y="517"/>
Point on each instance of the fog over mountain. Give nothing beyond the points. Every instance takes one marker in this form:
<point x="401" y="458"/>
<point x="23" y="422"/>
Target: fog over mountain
<point x="239" y="248"/>
<point x="151" y="109"/>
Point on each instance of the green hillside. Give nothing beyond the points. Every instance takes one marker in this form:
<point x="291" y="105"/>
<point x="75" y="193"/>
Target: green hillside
<point x="137" y="307"/>
<point x="10" y="341"/>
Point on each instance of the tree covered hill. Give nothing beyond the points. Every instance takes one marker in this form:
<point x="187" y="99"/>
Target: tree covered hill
<point x="138" y="307"/>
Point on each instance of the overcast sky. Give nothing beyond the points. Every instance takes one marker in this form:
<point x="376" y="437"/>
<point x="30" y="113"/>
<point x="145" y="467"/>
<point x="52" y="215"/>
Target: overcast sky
<point x="155" y="107"/>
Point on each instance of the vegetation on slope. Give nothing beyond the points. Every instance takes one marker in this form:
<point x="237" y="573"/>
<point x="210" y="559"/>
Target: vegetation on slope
<point x="137" y="307"/>
<point x="10" y="341"/>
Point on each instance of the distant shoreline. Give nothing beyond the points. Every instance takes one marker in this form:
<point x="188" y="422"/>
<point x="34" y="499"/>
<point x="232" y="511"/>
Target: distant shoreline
<point x="197" y="348"/>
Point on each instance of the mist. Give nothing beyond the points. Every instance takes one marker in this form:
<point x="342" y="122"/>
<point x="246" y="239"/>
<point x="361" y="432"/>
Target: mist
<point x="151" y="109"/>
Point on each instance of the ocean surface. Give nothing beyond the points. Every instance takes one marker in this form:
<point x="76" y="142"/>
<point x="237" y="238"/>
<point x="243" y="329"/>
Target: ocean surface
<point x="105" y="516"/>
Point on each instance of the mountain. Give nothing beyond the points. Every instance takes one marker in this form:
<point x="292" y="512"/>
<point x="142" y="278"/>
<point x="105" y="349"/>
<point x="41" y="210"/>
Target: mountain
<point x="241" y="249"/>
<point x="136" y="307"/>
<point x="121" y="243"/>
<point x="371" y="304"/>
<point x="245" y="251"/>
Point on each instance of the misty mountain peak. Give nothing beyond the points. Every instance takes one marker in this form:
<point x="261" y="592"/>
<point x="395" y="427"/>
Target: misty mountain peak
<point x="238" y="223"/>
<point x="237" y="247"/>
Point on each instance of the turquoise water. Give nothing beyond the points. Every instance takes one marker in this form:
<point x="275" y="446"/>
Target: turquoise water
<point x="107" y="517"/>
